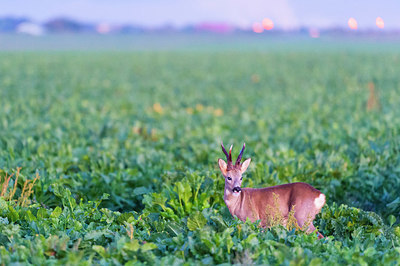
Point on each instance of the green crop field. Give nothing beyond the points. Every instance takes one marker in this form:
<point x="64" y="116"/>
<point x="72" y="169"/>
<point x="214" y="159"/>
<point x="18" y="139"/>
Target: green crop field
<point x="113" y="154"/>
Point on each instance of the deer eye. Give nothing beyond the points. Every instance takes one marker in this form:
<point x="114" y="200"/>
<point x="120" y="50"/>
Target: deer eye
<point x="229" y="178"/>
<point x="241" y="178"/>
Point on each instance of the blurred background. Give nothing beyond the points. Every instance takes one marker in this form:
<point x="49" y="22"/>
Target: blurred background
<point x="136" y="21"/>
<point x="145" y="87"/>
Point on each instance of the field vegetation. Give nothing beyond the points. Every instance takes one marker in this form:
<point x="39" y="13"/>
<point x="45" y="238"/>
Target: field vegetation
<point x="111" y="157"/>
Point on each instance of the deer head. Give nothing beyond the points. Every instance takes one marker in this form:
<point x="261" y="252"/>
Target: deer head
<point x="233" y="172"/>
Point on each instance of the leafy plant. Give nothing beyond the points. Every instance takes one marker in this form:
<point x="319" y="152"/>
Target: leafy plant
<point x="126" y="145"/>
<point x="8" y="192"/>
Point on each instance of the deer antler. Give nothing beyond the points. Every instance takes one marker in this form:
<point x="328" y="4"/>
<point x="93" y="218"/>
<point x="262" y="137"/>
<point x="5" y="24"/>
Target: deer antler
<point x="223" y="149"/>
<point x="228" y="156"/>
<point x="239" y="158"/>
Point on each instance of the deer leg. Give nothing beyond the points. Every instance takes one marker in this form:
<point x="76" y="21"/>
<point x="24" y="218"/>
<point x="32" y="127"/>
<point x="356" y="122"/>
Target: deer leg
<point x="300" y="220"/>
<point x="305" y="217"/>
<point x="285" y="220"/>
<point x="311" y="227"/>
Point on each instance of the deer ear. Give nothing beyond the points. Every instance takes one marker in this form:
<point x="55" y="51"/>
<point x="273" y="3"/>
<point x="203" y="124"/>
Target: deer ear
<point x="244" y="165"/>
<point x="222" y="166"/>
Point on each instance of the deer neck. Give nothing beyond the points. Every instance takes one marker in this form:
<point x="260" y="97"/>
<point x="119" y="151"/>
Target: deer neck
<point x="232" y="201"/>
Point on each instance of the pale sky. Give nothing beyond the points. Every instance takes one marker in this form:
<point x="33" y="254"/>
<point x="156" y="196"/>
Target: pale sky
<point x="286" y="14"/>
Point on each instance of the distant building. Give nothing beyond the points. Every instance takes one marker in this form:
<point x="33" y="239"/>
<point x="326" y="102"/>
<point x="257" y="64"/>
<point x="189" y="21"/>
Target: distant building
<point x="30" y="28"/>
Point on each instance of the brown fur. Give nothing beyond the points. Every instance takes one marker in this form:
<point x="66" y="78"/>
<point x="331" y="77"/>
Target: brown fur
<point x="254" y="203"/>
<point x="263" y="203"/>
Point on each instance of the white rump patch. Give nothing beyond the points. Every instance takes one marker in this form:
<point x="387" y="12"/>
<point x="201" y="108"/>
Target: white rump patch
<point x="320" y="201"/>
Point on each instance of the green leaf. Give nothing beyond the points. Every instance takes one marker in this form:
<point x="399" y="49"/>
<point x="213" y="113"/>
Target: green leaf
<point x="77" y="225"/>
<point x="65" y="195"/>
<point x="13" y="214"/>
<point x="369" y="252"/>
<point x="56" y="213"/>
<point x="59" y="191"/>
<point x="174" y="228"/>
<point x="105" y="196"/>
<point x="196" y="221"/>
<point x="394" y="204"/>
<point x="397" y="231"/>
<point x="219" y="221"/>
<point x="184" y="192"/>
<point x="132" y="245"/>
<point x="154" y="199"/>
<point x="392" y="220"/>
<point x="207" y="241"/>
<point x="315" y="262"/>
<point x="148" y="246"/>
<point x="29" y="216"/>
<point x="3" y="204"/>
<point x="124" y="217"/>
<point x="140" y="191"/>
<point x="42" y="214"/>
<point x="94" y="235"/>
<point x="229" y="243"/>
<point x="100" y="250"/>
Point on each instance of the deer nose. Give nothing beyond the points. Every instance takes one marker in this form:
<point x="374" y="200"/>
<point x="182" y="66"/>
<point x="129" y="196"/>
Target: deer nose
<point x="237" y="189"/>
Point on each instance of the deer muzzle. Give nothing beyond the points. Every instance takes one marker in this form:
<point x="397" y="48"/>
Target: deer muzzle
<point x="236" y="189"/>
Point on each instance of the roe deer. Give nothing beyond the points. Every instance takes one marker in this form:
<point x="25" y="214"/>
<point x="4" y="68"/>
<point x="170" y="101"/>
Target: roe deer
<point x="300" y="199"/>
